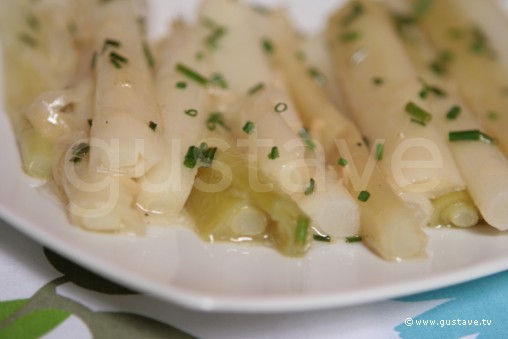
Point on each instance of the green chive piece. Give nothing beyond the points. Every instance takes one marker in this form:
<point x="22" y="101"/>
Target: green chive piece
<point x="33" y="22"/>
<point x="281" y="107"/>
<point x="28" y="40"/>
<point x="181" y="85"/>
<point x="79" y="152"/>
<point x="274" y="153"/>
<point x="202" y="156"/>
<point x="148" y="55"/>
<point x="191" y="158"/>
<point x="302" y="229"/>
<point x="355" y="12"/>
<point x="207" y="155"/>
<point x="366" y="141"/>
<point x="300" y="55"/>
<point x="304" y="134"/>
<point x="191" y="112"/>
<point x="492" y="116"/>
<point x="218" y="80"/>
<point x="474" y="135"/>
<point x="350" y="36"/>
<point x="418" y="113"/>
<point x="152" y="125"/>
<point x="312" y="186"/>
<point x="364" y="196"/>
<point x="342" y="162"/>
<point x="378" y="81"/>
<point x="200" y="56"/>
<point x="318" y="76"/>
<point x="216" y="118"/>
<point x="268" y="46"/>
<point x="421" y="7"/>
<point x="191" y="74"/>
<point x="117" y="60"/>
<point x="379" y="151"/>
<point x="90" y="122"/>
<point x="418" y="122"/>
<point x="110" y="43"/>
<point x="322" y="238"/>
<point x="453" y="113"/>
<point x="248" y="127"/>
<point x="253" y="90"/>
<point x="353" y="239"/>
<point x="212" y="41"/>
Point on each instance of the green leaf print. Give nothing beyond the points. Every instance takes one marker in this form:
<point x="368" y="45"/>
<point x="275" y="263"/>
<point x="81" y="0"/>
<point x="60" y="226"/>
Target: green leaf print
<point x="35" y="324"/>
<point x="8" y="308"/>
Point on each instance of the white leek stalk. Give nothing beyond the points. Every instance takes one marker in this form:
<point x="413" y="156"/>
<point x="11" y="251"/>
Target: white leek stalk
<point x="417" y="159"/>
<point x="475" y="40"/>
<point x="184" y="111"/>
<point x="125" y="136"/>
<point x="488" y="190"/>
<point x="381" y="233"/>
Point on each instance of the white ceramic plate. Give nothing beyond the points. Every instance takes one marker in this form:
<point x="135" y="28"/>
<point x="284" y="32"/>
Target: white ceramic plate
<point x="176" y="266"/>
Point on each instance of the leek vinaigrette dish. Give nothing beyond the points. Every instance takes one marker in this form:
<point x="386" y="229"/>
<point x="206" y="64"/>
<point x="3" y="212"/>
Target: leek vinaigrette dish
<point x="391" y="120"/>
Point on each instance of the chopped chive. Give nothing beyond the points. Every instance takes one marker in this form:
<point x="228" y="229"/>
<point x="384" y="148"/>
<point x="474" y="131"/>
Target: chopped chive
<point x="318" y="76"/>
<point x="274" y="153"/>
<point x="267" y="45"/>
<point x="455" y="33"/>
<point x="191" y="158"/>
<point x="355" y="12"/>
<point x="117" y="60"/>
<point x="379" y="151"/>
<point x="90" y="122"/>
<point x="152" y="125"/>
<point x="304" y="134"/>
<point x="207" y="155"/>
<point x="181" y="85"/>
<point x="110" y="43"/>
<point x="28" y="40"/>
<point x="191" y="74"/>
<point x="342" y="162"/>
<point x="378" y="81"/>
<point x="216" y="118"/>
<point x="322" y="238"/>
<point x="364" y="196"/>
<point x="212" y="41"/>
<point x="480" y="42"/>
<point x="248" y="127"/>
<point x="218" y="80"/>
<point x="366" y="141"/>
<point x="33" y="22"/>
<point x="353" y="239"/>
<point x="438" y="67"/>
<point x="191" y="112"/>
<point x="350" y="36"/>
<point x="202" y="156"/>
<point x="253" y="90"/>
<point x="79" y="152"/>
<point x="300" y="55"/>
<point x="312" y="186"/>
<point x="418" y="122"/>
<point x="421" y="7"/>
<point x="492" y="116"/>
<point x="148" y="55"/>
<point x="200" y="55"/>
<point x="302" y="229"/>
<point x="281" y="107"/>
<point x="418" y="113"/>
<point x="453" y="113"/>
<point x="470" y="135"/>
<point x="431" y="89"/>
